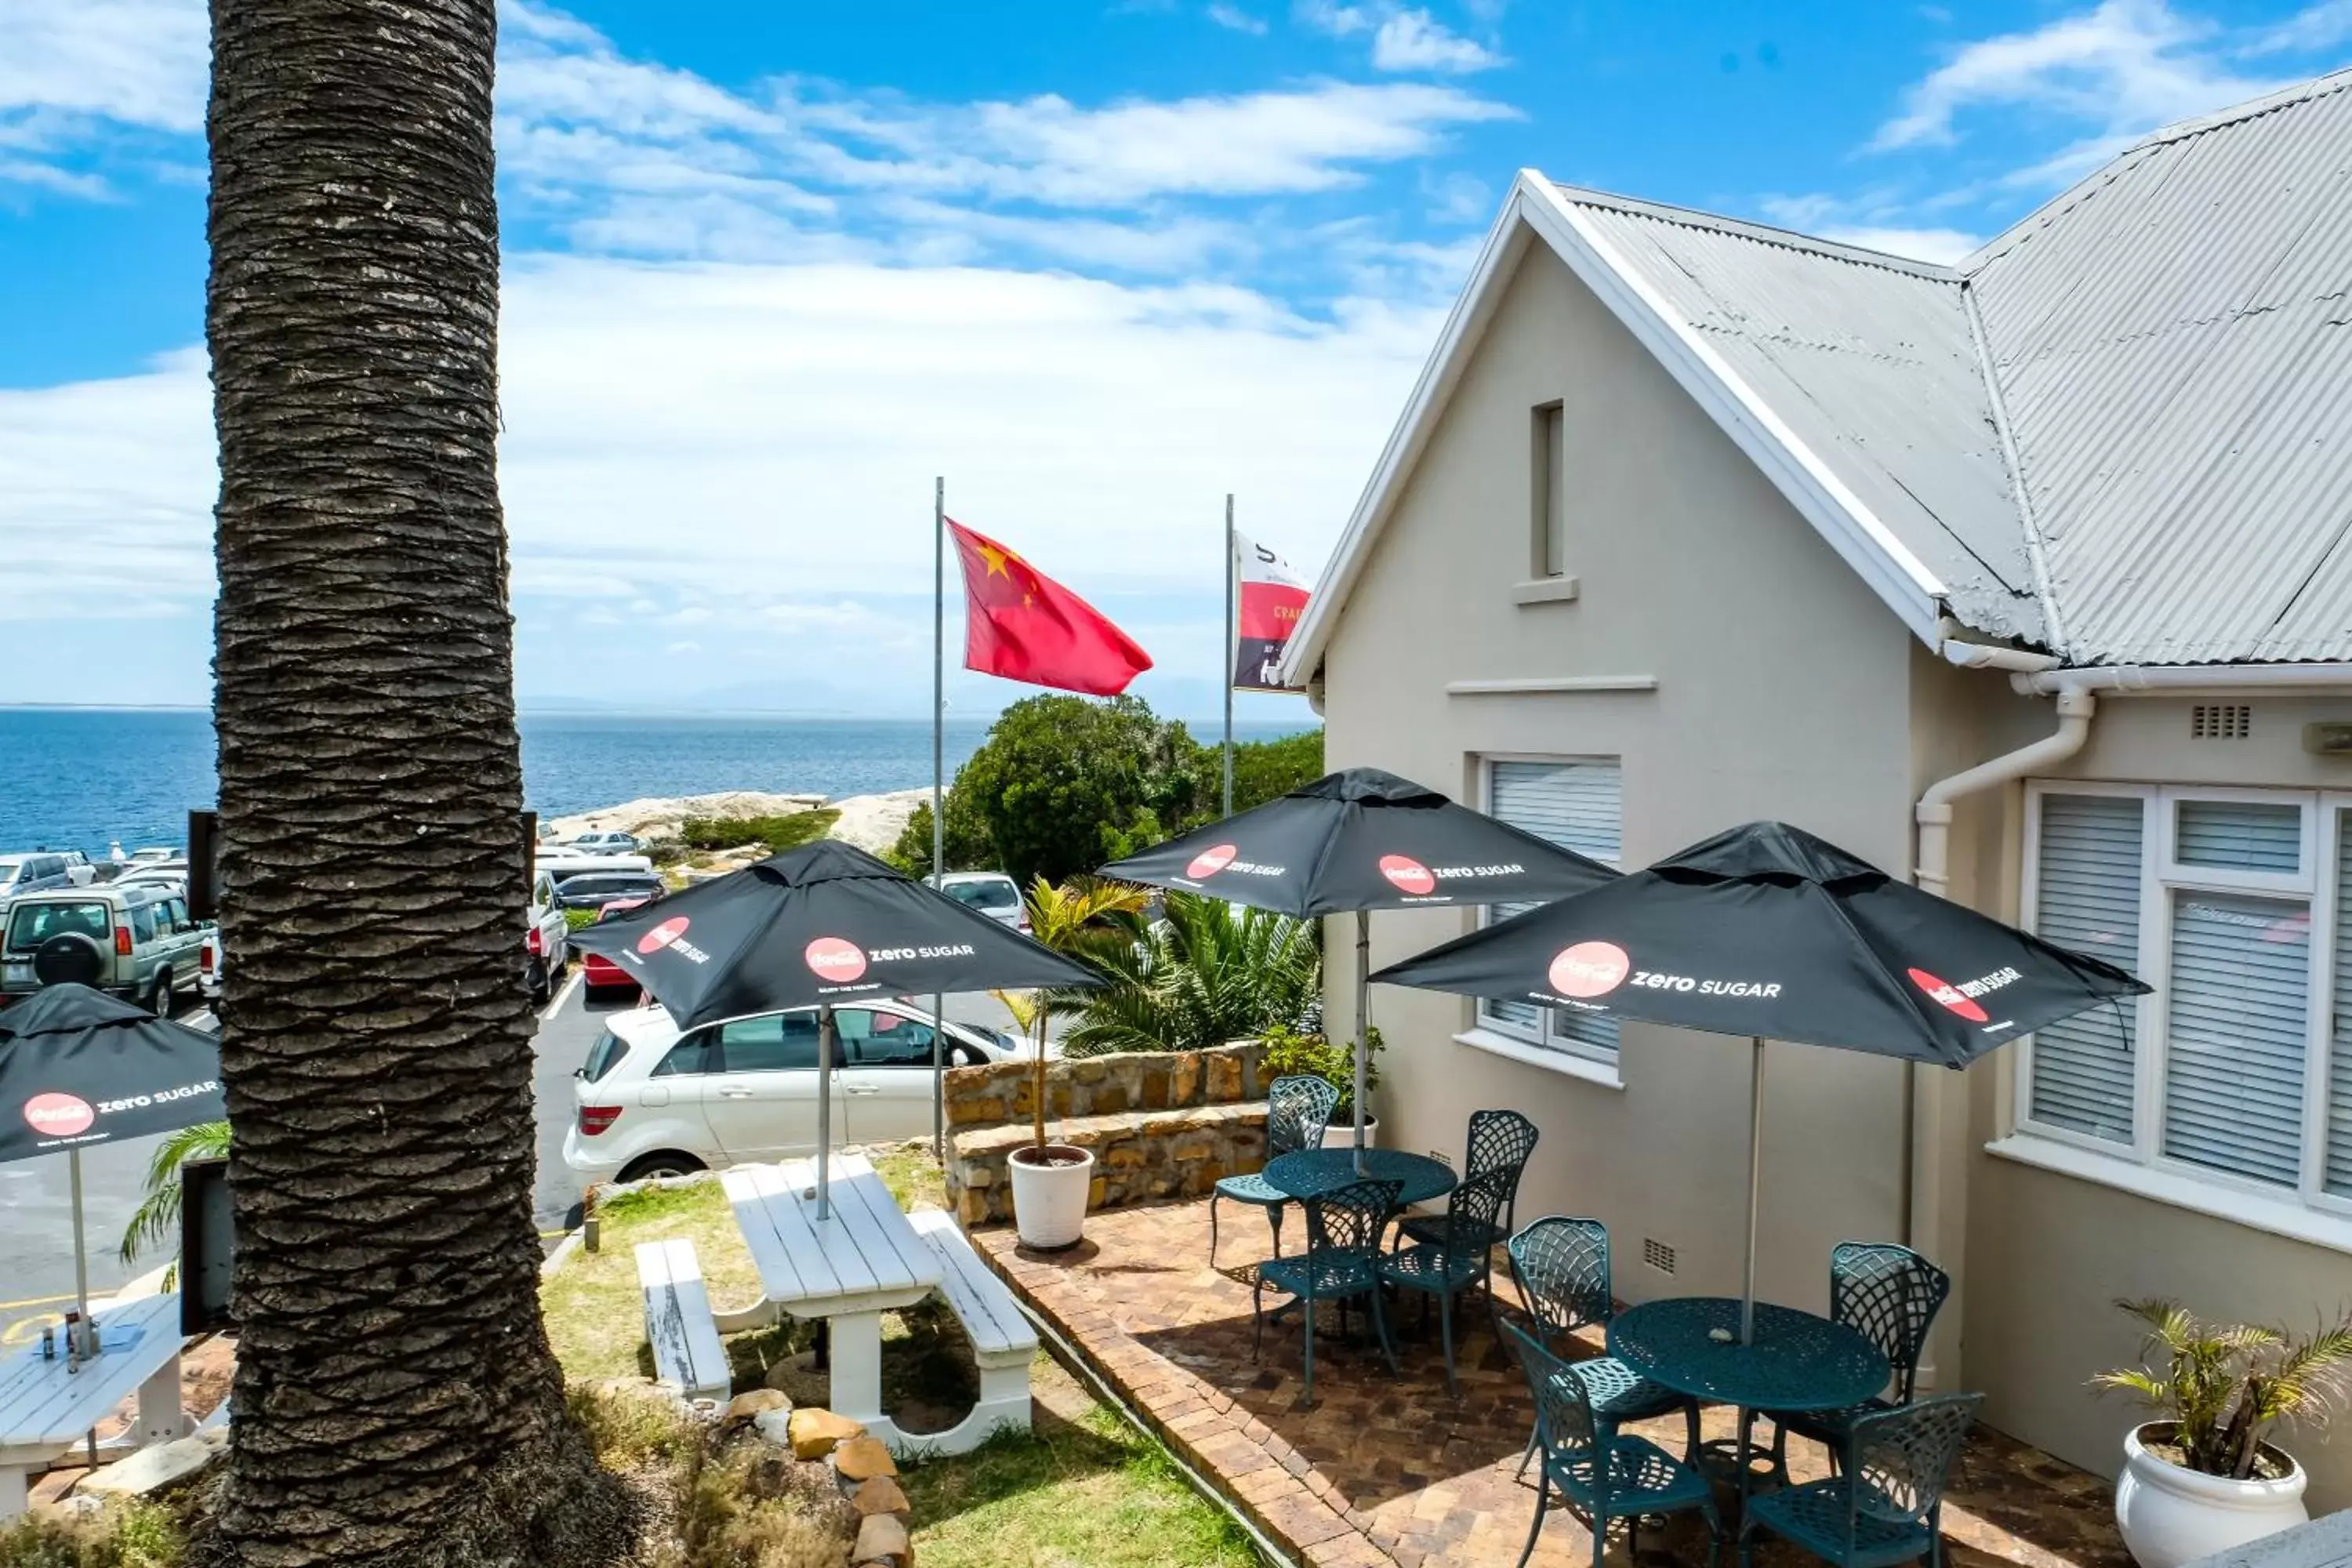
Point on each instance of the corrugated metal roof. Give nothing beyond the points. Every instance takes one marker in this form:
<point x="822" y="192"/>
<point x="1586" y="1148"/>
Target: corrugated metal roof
<point x="1868" y="361"/>
<point x="2171" y="341"/>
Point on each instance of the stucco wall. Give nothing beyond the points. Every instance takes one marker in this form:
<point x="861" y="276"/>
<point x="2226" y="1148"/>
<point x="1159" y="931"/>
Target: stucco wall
<point x="1780" y="692"/>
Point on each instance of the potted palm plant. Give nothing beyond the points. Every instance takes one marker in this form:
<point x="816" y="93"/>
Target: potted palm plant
<point x="1051" y="1181"/>
<point x="2203" y="1476"/>
<point x="1290" y="1052"/>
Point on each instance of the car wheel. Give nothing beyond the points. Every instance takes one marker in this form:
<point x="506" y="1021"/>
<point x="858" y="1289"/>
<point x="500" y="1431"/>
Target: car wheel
<point x="159" y="996"/>
<point x="535" y="977"/>
<point x="668" y="1163"/>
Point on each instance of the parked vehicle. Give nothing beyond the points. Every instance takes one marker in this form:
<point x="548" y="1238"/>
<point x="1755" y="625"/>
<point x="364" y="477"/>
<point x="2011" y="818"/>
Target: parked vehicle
<point x="651" y="1102"/>
<point x="594" y="889"/>
<point x="608" y="842"/>
<point x="580" y="865"/>
<point x="208" y="966"/>
<point x="600" y="974"/>
<point x="993" y="893"/>
<point x="40" y="870"/>
<point x="140" y="943"/>
<point x="151" y="874"/>
<point x="155" y="852"/>
<point x="547" y="938"/>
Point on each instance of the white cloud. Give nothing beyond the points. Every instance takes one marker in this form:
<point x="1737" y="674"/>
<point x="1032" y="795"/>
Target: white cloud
<point x="2125" y="65"/>
<point x="1415" y="41"/>
<point x="1236" y="19"/>
<point x="2320" y="26"/>
<point x="68" y="70"/>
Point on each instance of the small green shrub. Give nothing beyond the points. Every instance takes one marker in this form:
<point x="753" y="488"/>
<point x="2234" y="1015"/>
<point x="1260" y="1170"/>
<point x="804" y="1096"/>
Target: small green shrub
<point x="631" y="1428"/>
<point x="577" y="919"/>
<point x="124" y="1535"/>
<point x="1290" y="1053"/>
<point x="775" y="834"/>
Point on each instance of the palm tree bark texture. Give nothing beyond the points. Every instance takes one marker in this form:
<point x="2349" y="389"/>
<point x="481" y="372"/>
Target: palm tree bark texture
<point x="396" y="1398"/>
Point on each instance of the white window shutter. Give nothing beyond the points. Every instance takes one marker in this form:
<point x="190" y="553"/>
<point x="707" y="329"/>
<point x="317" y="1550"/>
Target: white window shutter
<point x="2336" y="1175"/>
<point x="1581" y="806"/>
<point x="2236" y="1023"/>
<point x="2087" y="899"/>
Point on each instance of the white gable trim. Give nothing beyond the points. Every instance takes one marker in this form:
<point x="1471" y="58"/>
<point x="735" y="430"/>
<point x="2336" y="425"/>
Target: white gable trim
<point x="1534" y="207"/>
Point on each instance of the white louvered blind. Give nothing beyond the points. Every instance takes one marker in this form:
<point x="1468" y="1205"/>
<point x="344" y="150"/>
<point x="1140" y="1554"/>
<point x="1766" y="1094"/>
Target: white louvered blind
<point x="2241" y="835"/>
<point x="2087" y="898"/>
<point x="2337" y="1170"/>
<point x="1579" y="804"/>
<point x="2236" y="1016"/>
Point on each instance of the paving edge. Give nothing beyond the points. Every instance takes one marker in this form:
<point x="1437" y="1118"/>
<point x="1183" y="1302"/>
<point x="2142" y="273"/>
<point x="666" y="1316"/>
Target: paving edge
<point x="1172" y="1396"/>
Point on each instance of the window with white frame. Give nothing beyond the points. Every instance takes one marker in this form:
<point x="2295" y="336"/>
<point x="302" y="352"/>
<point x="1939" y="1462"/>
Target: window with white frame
<point x="1577" y="801"/>
<point x="2236" y="906"/>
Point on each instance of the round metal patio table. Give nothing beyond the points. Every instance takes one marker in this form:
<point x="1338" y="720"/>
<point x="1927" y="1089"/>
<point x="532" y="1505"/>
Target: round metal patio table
<point x="1307" y="1171"/>
<point x="1798" y="1360"/>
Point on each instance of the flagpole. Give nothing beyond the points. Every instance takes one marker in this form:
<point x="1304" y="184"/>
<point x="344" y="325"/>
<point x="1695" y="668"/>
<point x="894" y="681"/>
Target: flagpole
<point x="938" y="795"/>
<point x="1225" y="654"/>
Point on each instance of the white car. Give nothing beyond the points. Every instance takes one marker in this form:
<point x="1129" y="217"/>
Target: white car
<point x="651" y="1102"/>
<point x="609" y="843"/>
<point x="993" y="893"/>
<point x="210" y="958"/>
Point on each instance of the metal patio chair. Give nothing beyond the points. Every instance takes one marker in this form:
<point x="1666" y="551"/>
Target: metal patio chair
<point x="1603" y="1474"/>
<point x="1561" y="1267"/>
<point x="1461" y="1257"/>
<point x="1298" y="1110"/>
<point x="1890" y="1295"/>
<point x="1887" y="1507"/>
<point x="1342" y="1261"/>
<point x="1499" y="1141"/>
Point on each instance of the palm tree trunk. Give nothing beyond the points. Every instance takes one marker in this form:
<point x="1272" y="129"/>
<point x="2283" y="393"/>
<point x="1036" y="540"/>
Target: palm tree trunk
<point x="395" y="1397"/>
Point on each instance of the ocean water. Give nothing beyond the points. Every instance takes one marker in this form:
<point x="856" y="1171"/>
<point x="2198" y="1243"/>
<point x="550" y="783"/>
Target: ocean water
<point x="79" y="778"/>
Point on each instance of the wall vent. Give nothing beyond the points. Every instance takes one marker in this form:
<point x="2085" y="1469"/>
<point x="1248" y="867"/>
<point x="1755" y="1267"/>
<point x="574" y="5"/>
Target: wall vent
<point x="2221" y="721"/>
<point x="1657" y="1254"/>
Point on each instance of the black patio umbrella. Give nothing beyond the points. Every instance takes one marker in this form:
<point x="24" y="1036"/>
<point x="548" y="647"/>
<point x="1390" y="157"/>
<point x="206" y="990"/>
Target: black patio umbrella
<point x="814" y="926"/>
<point x="1771" y="932"/>
<point x="1360" y="840"/>
<point x="79" y="1067"/>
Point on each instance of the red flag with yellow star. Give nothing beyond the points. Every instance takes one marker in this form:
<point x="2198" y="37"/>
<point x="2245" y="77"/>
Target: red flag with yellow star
<point x="1023" y="626"/>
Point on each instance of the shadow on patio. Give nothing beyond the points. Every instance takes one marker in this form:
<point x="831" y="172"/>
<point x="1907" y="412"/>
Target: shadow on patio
<point x="1382" y="1470"/>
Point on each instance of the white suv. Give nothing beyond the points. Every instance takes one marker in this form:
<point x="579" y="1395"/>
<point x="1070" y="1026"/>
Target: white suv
<point x="651" y="1102"/>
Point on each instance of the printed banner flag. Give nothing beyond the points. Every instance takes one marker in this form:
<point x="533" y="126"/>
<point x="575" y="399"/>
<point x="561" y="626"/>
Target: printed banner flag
<point x="1269" y="601"/>
<point x="1021" y="625"/>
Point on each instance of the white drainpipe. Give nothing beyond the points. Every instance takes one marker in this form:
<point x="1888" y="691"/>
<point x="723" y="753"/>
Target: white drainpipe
<point x="1931" y="863"/>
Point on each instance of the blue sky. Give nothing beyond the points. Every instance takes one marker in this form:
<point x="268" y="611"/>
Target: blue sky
<point x="769" y="268"/>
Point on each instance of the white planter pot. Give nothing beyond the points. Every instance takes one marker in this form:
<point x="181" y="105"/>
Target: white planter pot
<point x="1342" y="1134"/>
<point x="1049" y="1202"/>
<point x="2170" y="1516"/>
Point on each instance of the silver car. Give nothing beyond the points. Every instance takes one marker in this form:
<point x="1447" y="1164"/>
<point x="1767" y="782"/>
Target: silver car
<point x="140" y="943"/>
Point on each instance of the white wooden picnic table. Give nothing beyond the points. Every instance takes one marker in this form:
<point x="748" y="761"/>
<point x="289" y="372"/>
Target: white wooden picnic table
<point x="46" y="1409"/>
<point x="861" y="1261"/>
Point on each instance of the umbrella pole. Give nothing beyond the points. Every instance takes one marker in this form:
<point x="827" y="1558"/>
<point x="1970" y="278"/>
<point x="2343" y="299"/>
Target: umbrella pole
<point x="1755" y="1169"/>
<point x="1363" y="1021"/>
<point x="824" y="1112"/>
<point x="89" y="1346"/>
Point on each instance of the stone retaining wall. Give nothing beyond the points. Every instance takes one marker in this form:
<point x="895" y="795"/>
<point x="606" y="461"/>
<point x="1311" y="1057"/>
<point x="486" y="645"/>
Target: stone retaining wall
<point x="1161" y="1124"/>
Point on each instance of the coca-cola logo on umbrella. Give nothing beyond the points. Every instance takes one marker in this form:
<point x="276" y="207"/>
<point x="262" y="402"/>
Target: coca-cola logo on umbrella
<point x="1949" y="994"/>
<point x="1212" y="860"/>
<point x="59" y="1115"/>
<point x="1409" y="874"/>
<point x="662" y="935"/>
<point x="835" y="960"/>
<point x="1590" y="969"/>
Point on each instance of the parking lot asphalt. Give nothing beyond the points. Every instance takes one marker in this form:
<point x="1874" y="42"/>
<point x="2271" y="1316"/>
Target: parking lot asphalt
<point x="36" y="1276"/>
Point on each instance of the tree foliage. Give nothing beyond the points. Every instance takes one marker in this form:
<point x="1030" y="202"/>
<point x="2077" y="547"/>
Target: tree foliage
<point x="1204" y="974"/>
<point x="1264" y="770"/>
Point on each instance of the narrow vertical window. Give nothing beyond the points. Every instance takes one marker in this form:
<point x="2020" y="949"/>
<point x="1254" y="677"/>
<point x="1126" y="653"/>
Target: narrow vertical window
<point x="1548" y="519"/>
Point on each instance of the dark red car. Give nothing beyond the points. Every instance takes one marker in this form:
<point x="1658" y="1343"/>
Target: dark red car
<point x="598" y="973"/>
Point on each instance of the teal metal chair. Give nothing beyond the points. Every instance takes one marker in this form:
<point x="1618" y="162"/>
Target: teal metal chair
<point x="1561" y="1267"/>
<point x="1499" y="1141"/>
<point x="1342" y="1261"/>
<point x="1887" y="1506"/>
<point x="1461" y="1257"/>
<point x="1298" y="1110"/>
<point x="1601" y="1474"/>
<point x="1890" y="1295"/>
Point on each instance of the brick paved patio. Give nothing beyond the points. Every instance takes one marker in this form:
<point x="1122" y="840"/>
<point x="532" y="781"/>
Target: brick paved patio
<point x="1381" y="1471"/>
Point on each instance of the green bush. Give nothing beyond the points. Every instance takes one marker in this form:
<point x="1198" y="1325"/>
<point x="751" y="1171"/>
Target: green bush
<point x="968" y="845"/>
<point x="775" y="834"/>
<point x="1264" y="770"/>
<point x="1290" y="1052"/>
<point x="130" y="1534"/>
<point x="1206" y="973"/>
<point x="576" y="919"/>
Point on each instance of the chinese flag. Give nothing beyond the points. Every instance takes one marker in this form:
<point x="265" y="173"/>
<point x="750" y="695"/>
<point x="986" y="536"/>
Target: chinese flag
<point x="1023" y="626"/>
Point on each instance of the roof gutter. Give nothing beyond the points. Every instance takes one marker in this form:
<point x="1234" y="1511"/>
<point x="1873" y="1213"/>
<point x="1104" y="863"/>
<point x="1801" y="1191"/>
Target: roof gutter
<point x="2141" y="680"/>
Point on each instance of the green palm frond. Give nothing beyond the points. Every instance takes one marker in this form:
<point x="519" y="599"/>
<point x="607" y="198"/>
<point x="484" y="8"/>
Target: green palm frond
<point x="158" y="1213"/>
<point x="2223" y="1386"/>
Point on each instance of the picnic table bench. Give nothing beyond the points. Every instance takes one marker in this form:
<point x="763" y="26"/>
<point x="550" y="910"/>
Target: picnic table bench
<point x="866" y="1259"/>
<point x="46" y="1409"/>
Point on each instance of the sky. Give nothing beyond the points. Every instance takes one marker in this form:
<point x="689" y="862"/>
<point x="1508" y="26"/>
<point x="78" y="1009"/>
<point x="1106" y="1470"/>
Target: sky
<point x="770" y="268"/>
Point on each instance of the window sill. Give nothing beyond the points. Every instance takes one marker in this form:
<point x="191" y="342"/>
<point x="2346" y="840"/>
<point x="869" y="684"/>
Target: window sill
<point x="1591" y="1069"/>
<point x="1545" y="591"/>
<point x="2279" y="1217"/>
